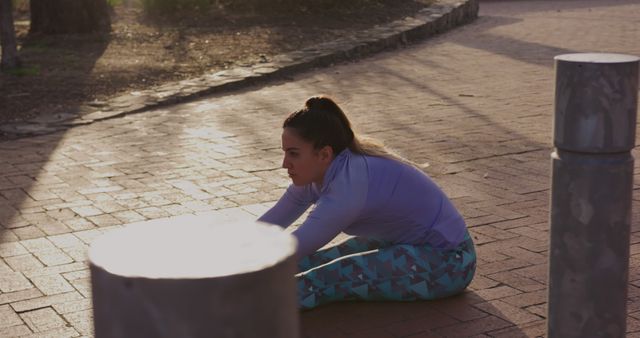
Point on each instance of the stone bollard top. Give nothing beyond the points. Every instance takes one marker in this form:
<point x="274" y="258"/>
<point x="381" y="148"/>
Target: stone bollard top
<point x="597" y="58"/>
<point x="191" y="247"/>
<point x="596" y="99"/>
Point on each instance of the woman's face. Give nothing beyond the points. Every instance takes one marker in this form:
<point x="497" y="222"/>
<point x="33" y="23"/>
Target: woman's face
<point x="304" y="164"/>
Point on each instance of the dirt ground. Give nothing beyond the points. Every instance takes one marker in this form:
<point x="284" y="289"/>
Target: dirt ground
<point x="61" y="72"/>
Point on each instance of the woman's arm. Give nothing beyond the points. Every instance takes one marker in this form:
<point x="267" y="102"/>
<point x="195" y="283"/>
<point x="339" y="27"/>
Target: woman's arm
<point x="293" y="203"/>
<point x="338" y="207"/>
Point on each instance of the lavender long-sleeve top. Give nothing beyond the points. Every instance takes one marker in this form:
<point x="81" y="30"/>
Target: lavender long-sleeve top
<point x="372" y="197"/>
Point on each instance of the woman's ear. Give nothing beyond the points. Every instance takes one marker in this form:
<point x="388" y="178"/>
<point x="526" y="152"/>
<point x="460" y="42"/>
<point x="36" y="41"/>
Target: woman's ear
<point x="326" y="154"/>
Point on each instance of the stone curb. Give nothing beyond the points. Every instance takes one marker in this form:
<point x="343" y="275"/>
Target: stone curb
<point x="437" y="18"/>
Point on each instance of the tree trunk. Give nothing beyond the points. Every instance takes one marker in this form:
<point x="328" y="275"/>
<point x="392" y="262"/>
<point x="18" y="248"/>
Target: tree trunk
<point x="8" y="37"/>
<point x="69" y="16"/>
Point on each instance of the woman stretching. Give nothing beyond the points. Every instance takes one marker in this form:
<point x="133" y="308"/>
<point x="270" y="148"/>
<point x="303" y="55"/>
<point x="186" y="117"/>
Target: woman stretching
<point x="410" y="242"/>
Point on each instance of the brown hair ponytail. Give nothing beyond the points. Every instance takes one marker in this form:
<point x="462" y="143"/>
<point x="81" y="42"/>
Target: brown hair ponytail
<point x="323" y="123"/>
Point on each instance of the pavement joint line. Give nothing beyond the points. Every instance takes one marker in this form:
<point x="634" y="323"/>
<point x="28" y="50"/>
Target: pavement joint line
<point x="498" y="155"/>
<point x="438" y="18"/>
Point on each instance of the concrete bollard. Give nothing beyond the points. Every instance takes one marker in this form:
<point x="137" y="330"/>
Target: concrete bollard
<point x="188" y="278"/>
<point x="594" y="132"/>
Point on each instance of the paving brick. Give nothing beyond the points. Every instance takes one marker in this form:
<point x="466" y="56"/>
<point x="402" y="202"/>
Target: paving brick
<point x="154" y="200"/>
<point x="65" y="241"/>
<point x="79" y="274"/>
<point x="12" y="249"/>
<point x="14" y="195"/>
<point x="517" y="281"/>
<point x="53" y="270"/>
<point x="54" y="228"/>
<point x="77" y="253"/>
<point x="633" y="304"/>
<point x="176" y="209"/>
<point x="527" y="299"/>
<point x="53" y="258"/>
<point x="83" y="285"/>
<point x="368" y="317"/>
<point x="198" y="206"/>
<point x="427" y="321"/>
<point x="497" y="292"/>
<point x="493" y="232"/>
<point x="539" y="310"/>
<point x="86" y="210"/>
<point x="136" y="203"/>
<point x="72" y="200"/>
<point x="502" y="265"/>
<point x="15" y="331"/>
<point x="79" y="224"/>
<point x="460" y="309"/>
<point x="61" y="214"/>
<point x="73" y="306"/>
<point x="59" y="332"/>
<point x="633" y="291"/>
<point x="633" y="325"/>
<point x="22" y="181"/>
<point x="536" y="272"/>
<point x="505" y="212"/>
<point x="6" y="298"/>
<point x="483" y="220"/>
<point x="29" y="232"/>
<point x="218" y="203"/>
<point x="46" y="301"/>
<point x="497" y="245"/>
<point x="13" y="281"/>
<point x="530" y="232"/>
<point x="99" y="197"/>
<point x="129" y="216"/>
<point x="529" y="330"/>
<point x="104" y="220"/>
<point x="51" y="284"/>
<point x="23" y="262"/>
<point x="152" y="212"/>
<point x="7" y="211"/>
<point x="38" y="245"/>
<point x="88" y="236"/>
<point x="45" y="222"/>
<point x="480" y="282"/>
<point x="109" y="206"/>
<point x="523" y="254"/>
<point x="82" y="321"/>
<point x="42" y="319"/>
<point x="480" y="239"/>
<point x="9" y="318"/>
<point x="14" y="222"/>
<point x="508" y="312"/>
<point x="474" y="327"/>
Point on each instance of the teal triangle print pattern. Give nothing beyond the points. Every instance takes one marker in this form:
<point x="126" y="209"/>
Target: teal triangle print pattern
<point x="362" y="269"/>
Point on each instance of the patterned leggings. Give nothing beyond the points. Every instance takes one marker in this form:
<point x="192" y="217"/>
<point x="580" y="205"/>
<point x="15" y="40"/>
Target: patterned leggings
<point x="363" y="269"/>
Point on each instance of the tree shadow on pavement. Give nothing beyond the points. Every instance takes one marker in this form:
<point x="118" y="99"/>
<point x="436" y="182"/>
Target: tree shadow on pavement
<point x="529" y="52"/>
<point x="550" y="16"/>
<point x="404" y="130"/>
<point x="23" y="188"/>
<point x="24" y="172"/>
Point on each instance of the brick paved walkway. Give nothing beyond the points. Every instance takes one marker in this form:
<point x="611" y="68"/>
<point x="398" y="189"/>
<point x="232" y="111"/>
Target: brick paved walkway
<point x="475" y="104"/>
